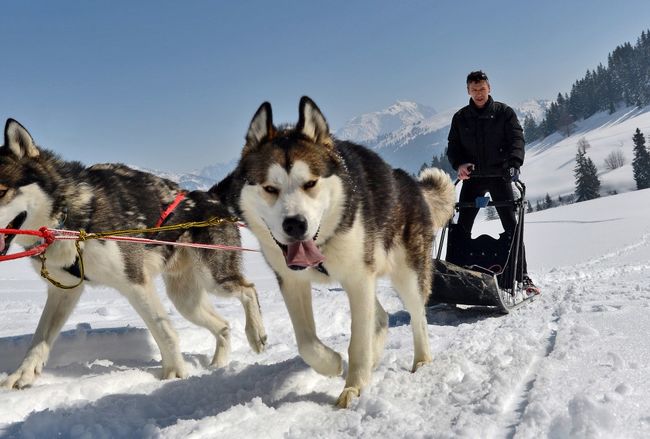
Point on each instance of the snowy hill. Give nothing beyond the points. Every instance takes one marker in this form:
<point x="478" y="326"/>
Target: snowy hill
<point x="410" y="141"/>
<point x="550" y="162"/>
<point x="572" y="364"/>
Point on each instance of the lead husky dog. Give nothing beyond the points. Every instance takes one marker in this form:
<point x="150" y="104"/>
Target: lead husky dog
<point x="39" y="189"/>
<point x="326" y="211"/>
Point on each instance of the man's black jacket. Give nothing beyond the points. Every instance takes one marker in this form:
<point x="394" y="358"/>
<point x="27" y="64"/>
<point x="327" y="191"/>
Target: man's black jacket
<point x="490" y="137"/>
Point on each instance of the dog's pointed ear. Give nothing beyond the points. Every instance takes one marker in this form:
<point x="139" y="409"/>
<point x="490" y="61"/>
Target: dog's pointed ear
<point x="312" y="123"/>
<point x="19" y="141"/>
<point x="261" y="127"/>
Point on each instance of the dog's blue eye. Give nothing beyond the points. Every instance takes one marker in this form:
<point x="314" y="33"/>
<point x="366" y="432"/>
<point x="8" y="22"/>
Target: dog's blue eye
<point x="310" y="184"/>
<point x="271" y="190"/>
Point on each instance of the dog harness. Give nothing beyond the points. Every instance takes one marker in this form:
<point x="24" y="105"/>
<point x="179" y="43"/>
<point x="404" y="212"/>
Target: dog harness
<point x="163" y="216"/>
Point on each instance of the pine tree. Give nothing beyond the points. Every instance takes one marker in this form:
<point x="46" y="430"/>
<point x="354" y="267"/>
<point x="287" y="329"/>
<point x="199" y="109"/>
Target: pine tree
<point x="641" y="161"/>
<point x="531" y="131"/>
<point x="491" y="213"/>
<point x="548" y="203"/>
<point x="586" y="174"/>
<point x="442" y="162"/>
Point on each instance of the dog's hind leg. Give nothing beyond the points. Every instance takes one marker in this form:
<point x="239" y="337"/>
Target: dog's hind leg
<point x="192" y="301"/>
<point x="58" y="307"/>
<point x="381" y="330"/>
<point x="245" y="291"/>
<point x="145" y="301"/>
<point x="297" y="297"/>
<point x="408" y="285"/>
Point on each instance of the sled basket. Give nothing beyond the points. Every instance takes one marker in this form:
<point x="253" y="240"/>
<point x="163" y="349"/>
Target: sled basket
<point x="481" y="271"/>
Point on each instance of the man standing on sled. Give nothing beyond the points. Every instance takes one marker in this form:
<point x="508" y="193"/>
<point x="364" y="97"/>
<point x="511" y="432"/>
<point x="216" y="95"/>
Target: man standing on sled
<point x="486" y="138"/>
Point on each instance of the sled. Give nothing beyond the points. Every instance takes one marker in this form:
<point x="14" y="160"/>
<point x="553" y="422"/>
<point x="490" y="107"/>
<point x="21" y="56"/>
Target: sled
<point x="482" y="271"/>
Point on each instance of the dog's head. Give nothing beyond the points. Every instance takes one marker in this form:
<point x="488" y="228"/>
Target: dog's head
<point x="289" y="181"/>
<point x="17" y="157"/>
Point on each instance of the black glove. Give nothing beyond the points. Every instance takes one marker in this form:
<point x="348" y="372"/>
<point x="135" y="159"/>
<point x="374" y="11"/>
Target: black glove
<point x="513" y="173"/>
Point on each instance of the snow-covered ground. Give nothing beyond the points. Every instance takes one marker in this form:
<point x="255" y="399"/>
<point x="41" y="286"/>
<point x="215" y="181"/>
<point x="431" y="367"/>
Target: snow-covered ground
<point x="550" y="163"/>
<point x="572" y="364"/>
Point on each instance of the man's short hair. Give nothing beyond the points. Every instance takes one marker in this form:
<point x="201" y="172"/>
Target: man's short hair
<point x="477" y="76"/>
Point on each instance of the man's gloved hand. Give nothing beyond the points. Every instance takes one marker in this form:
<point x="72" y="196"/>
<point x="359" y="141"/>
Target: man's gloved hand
<point x="513" y="173"/>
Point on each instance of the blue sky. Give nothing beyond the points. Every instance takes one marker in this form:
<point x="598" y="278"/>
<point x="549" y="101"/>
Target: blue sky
<point x="172" y="85"/>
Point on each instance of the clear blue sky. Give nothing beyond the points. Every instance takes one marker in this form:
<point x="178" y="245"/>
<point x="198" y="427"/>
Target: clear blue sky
<point x="172" y="85"/>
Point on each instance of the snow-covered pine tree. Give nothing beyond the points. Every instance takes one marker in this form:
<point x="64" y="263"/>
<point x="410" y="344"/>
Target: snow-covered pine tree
<point x="641" y="161"/>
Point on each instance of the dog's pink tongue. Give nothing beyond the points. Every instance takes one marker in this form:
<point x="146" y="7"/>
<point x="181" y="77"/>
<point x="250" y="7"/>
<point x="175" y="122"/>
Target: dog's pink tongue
<point x="303" y="254"/>
<point x="2" y="241"/>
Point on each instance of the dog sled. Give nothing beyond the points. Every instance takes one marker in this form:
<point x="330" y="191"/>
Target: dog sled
<point x="482" y="271"/>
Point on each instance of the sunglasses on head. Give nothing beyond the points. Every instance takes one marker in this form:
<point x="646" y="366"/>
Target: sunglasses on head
<point x="476" y="77"/>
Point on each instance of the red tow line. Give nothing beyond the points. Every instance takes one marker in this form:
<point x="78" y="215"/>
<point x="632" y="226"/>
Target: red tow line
<point x="44" y="233"/>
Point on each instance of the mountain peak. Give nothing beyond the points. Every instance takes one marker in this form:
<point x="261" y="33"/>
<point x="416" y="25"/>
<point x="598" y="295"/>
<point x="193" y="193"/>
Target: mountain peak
<point x="368" y="127"/>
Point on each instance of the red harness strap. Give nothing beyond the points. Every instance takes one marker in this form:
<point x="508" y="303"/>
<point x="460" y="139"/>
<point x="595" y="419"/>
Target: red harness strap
<point x="43" y="232"/>
<point x="180" y="197"/>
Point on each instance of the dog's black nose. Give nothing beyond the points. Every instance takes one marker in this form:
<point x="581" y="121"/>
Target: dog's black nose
<point x="295" y="226"/>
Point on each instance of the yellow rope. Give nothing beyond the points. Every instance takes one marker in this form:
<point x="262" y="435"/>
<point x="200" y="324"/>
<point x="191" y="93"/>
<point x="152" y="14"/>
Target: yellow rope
<point x="56" y="283"/>
<point x="214" y="221"/>
<point x="84" y="236"/>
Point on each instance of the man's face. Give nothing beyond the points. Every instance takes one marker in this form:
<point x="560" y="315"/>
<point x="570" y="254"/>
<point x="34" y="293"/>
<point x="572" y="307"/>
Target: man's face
<point x="479" y="91"/>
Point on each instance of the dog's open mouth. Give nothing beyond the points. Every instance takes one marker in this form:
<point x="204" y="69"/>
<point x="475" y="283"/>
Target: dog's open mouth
<point x="16" y="223"/>
<point x="301" y="254"/>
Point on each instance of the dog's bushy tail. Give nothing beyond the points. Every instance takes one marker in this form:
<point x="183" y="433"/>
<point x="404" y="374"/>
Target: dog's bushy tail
<point x="440" y="195"/>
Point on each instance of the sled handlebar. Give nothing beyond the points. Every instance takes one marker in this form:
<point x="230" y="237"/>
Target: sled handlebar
<point x="521" y="186"/>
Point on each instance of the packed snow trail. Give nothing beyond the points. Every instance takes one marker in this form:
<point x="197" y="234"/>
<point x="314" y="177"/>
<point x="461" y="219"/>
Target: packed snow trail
<point x="570" y="364"/>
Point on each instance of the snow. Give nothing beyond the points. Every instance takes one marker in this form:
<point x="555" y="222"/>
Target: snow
<point x="368" y="127"/>
<point x="570" y="364"/>
<point x="550" y="163"/>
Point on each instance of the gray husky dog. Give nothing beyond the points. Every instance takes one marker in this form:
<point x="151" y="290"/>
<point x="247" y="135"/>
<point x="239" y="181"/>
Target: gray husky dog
<point x="37" y="188"/>
<point x="331" y="211"/>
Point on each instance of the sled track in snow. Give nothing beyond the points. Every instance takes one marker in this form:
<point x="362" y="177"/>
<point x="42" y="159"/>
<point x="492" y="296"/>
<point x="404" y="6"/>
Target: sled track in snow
<point x="516" y="405"/>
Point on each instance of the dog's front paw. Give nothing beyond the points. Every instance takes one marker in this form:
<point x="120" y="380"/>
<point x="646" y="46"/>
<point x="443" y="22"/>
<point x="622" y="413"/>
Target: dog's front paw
<point x="419" y="364"/>
<point x="171" y="372"/>
<point x="347" y="396"/>
<point x="24" y="376"/>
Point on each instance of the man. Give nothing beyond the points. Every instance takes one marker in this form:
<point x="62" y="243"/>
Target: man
<point x="486" y="138"/>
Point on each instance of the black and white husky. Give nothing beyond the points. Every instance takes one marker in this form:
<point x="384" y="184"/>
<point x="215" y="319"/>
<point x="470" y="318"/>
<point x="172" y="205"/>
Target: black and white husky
<point x="324" y="211"/>
<point x="39" y="189"/>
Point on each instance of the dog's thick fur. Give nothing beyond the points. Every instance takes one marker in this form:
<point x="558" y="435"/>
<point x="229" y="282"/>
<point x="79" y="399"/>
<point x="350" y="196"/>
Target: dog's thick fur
<point x="367" y="220"/>
<point x="39" y="189"/>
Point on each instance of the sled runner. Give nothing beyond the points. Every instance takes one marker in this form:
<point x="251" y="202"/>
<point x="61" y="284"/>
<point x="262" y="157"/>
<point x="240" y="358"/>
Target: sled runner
<point x="482" y="271"/>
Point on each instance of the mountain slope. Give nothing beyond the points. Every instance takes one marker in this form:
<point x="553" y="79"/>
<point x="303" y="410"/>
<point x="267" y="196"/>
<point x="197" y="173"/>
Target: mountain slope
<point x="550" y="162"/>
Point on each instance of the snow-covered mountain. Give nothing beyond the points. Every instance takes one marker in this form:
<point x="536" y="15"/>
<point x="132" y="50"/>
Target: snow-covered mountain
<point x="419" y="136"/>
<point x="369" y="127"/>
<point x="218" y="171"/>
<point x="535" y="108"/>
<point x="202" y="179"/>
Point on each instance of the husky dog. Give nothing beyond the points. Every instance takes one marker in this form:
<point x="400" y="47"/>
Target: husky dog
<point x="39" y="189"/>
<point x="330" y="211"/>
